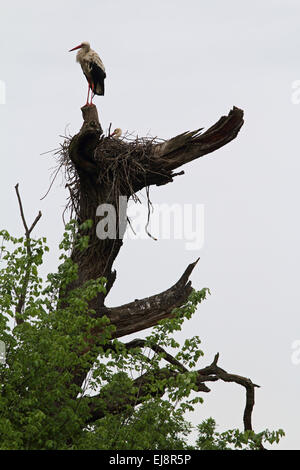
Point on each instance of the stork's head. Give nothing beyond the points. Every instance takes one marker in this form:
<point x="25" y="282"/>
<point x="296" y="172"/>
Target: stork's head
<point x="84" y="45"/>
<point x="117" y="132"/>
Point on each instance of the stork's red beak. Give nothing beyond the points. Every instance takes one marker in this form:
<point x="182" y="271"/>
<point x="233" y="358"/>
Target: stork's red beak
<point x="74" y="48"/>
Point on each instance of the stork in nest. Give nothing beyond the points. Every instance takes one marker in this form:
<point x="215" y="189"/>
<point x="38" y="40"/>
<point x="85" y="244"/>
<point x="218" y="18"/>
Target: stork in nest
<point x="117" y="133"/>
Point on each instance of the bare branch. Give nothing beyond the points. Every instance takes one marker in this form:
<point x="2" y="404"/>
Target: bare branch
<point x="190" y="145"/>
<point x="21" y="209"/>
<point x="21" y="301"/>
<point x="221" y="374"/>
<point x="27" y="230"/>
<point x="144" y="313"/>
<point x="211" y="373"/>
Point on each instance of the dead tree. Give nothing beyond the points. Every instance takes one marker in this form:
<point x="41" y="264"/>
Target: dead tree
<point x="99" y="170"/>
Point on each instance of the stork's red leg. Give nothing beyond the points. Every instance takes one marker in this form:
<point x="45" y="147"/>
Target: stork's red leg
<point x="92" y="94"/>
<point x="87" y="100"/>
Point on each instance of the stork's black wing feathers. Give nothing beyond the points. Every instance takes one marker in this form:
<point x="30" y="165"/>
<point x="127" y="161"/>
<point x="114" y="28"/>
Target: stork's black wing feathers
<point x="98" y="75"/>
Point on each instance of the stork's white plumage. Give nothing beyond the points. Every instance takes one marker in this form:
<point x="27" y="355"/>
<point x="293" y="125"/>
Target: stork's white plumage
<point x="93" y="69"/>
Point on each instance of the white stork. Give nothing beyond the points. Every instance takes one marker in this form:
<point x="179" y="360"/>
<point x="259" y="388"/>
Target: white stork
<point x="93" y="69"/>
<point x="117" y="133"/>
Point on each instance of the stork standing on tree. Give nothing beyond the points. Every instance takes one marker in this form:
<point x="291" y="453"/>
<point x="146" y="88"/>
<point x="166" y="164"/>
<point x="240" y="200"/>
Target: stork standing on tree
<point x="93" y="69"/>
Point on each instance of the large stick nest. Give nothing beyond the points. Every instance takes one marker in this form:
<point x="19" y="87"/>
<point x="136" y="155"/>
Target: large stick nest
<point x="122" y="166"/>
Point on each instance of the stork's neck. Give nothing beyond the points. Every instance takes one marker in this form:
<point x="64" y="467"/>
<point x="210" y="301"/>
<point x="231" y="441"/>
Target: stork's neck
<point x="82" y="53"/>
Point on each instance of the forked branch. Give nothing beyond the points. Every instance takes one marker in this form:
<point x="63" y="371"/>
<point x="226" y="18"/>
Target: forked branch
<point x="24" y="286"/>
<point x="212" y="373"/>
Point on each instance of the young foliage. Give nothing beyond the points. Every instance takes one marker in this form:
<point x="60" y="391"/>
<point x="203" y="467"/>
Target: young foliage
<point x="64" y="387"/>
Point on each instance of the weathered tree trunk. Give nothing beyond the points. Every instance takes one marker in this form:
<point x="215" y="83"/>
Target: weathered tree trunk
<point x="107" y="169"/>
<point x="98" y="259"/>
<point x="156" y="166"/>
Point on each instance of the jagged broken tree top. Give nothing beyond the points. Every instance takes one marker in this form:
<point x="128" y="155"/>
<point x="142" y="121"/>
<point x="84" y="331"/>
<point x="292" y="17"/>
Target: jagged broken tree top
<point x="127" y="165"/>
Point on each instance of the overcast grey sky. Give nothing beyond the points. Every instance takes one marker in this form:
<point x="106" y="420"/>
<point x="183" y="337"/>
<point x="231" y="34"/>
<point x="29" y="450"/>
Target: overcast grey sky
<point x="174" y="66"/>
